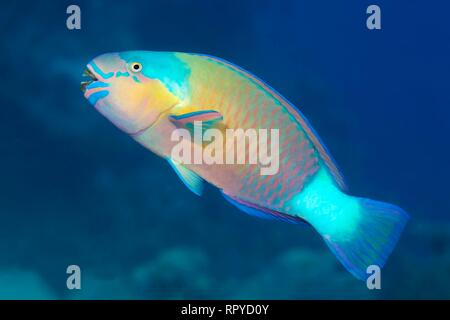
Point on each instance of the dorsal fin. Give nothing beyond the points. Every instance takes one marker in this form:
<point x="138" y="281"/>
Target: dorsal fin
<point x="294" y="112"/>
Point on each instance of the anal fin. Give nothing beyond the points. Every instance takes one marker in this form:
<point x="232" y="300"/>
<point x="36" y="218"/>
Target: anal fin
<point x="261" y="212"/>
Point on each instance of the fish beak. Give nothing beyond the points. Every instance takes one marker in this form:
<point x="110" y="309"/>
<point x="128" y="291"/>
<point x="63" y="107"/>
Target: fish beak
<point x="89" y="74"/>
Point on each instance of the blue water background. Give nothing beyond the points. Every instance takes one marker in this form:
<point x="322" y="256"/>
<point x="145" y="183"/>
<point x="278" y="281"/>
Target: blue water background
<point x="76" y="190"/>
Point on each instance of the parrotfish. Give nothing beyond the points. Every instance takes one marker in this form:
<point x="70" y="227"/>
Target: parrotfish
<point x="150" y="94"/>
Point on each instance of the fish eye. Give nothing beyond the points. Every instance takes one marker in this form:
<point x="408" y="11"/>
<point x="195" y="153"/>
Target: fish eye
<point x="136" y="67"/>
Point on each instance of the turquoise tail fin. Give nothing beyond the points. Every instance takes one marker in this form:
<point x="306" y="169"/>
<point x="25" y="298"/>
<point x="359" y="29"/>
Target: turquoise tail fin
<point x="373" y="237"/>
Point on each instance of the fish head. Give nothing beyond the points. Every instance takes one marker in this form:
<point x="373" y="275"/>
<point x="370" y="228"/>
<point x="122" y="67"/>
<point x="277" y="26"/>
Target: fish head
<point x="132" y="89"/>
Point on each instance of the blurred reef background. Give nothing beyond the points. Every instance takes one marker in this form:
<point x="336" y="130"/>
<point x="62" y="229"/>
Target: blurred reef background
<point x="76" y="190"/>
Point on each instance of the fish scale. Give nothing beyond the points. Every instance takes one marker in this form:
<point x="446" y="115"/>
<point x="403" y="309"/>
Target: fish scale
<point x="261" y="112"/>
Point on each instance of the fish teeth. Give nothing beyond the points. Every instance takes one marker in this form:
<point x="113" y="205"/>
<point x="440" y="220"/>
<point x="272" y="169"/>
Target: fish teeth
<point x="87" y="74"/>
<point x="84" y="84"/>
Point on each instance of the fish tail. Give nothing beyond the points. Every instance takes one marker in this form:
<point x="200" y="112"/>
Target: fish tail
<point x="376" y="228"/>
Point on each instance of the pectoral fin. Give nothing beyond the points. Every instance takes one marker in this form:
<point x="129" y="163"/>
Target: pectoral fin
<point x="192" y="180"/>
<point x="207" y="119"/>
